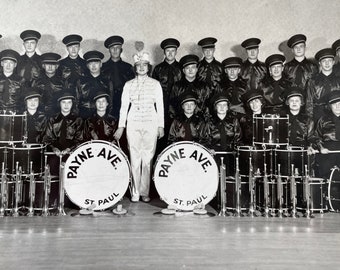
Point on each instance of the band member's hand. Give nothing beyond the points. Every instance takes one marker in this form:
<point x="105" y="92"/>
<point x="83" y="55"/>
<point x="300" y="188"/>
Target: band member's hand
<point x="160" y="132"/>
<point x="56" y="151"/>
<point x="118" y="134"/>
<point x="324" y="151"/>
<point x="310" y="151"/>
<point x="212" y="151"/>
<point x="66" y="151"/>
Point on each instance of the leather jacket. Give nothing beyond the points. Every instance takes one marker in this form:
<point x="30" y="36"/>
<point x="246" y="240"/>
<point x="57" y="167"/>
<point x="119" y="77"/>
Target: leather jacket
<point x="36" y="125"/>
<point x="29" y="68"/>
<point x="118" y="73"/>
<point x="274" y="93"/>
<point x="167" y="74"/>
<point x="210" y="73"/>
<point x="234" y="90"/>
<point x="49" y="89"/>
<point x="100" y="128"/>
<point x="11" y="89"/>
<point x="74" y="131"/>
<point x="177" y="130"/>
<point x="253" y="74"/>
<point x="201" y="89"/>
<point x="70" y="70"/>
<point x="327" y="133"/>
<point x="317" y="89"/>
<point x="211" y="136"/>
<point x="87" y="87"/>
<point x="306" y="68"/>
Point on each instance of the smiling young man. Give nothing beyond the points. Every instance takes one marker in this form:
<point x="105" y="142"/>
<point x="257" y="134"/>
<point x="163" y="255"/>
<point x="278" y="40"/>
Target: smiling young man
<point x="252" y="70"/>
<point x="320" y="85"/>
<point x="29" y="64"/>
<point x="89" y="85"/>
<point x="300" y="69"/>
<point x="275" y="85"/>
<point x="11" y="84"/>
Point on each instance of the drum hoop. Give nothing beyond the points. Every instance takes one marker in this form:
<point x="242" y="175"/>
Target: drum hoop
<point x="301" y="150"/>
<point x="271" y="117"/>
<point x="32" y="146"/>
<point x="329" y="187"/>
<point x="253" y="149"/>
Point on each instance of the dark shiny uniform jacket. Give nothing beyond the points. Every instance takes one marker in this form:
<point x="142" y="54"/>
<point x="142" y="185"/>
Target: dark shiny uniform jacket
<point x="118" y="73"/>
<point x="274" y="93"/>
<point x="87" y="87"/>
<point x="211" y="133"/>
<point x="253" y="74"/>
<point x="71" y="69"/>
<point x="178" y="128"/>
<point x="100" y="128"/>
<point x="317" y="89"/>
<point x="29" y="68"/>
<point x="74" y="131"/>
<point x="234" y="90"/>
<point x="167" y="74"/>
<point x="210" y="73"/>
<point x="49" y="89"/>
<point x="201" y="89"/>
<point x="36" y="125"/>
<point x="11" y="89"/>
<point x="300" y="72"/>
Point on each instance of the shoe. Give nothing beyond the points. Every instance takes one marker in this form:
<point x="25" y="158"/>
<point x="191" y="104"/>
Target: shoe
<point x="135" y="198"/>
<point x="146" y="199"/>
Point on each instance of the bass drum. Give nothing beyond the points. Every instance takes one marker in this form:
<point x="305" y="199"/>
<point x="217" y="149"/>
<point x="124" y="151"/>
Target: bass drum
<point x="186" y="175"/>
<point x="97" y="172"/>
<point x="334" y="190"/>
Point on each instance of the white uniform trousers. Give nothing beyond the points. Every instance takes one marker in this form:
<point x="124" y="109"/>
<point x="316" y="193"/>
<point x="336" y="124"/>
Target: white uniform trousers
<point x="142" y="142"/>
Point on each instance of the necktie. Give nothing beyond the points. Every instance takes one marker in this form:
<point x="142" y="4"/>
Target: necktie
<point x="299" y="75"/>
<point x="252" y="77"/>
<point x="223" y="135"/>
<point x="187" y="131"/>
<point x="63" y="132"/>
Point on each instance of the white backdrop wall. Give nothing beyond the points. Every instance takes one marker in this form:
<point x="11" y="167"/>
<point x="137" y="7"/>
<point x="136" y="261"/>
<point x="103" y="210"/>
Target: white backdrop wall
<point x="150" y="21"/>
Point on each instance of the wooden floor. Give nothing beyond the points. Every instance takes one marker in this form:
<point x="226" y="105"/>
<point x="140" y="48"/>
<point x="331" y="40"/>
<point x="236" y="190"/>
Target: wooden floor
<point x="145" y="239"/>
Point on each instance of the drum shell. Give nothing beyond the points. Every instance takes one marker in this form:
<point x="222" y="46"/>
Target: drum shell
<point x="334" y="190"/>
<point x="259" y="157"/>
<point x="318" y="189"/>
<point x="244" y="195"/>
<point x="13" y="128"/>
<point x="24" y="155"/>
<point x="270" y="130"/>
<point x="296" y="156"/>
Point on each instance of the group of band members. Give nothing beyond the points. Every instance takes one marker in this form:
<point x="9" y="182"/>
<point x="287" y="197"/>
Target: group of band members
<point x="72" y="100"/>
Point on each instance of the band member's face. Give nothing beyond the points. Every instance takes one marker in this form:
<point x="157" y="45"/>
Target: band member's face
<point x="299" y="49"/>
<point x="253" y="53"/>
<point x="233" y="73"/>
<point x="115" y="51"/>
<point x="66" y="106"/>
<point x="8" y="65"/>
<point x="142" y="68"/>
<point x="94" y="66"/>
<point x="170" y="54"/>
<point x="294" y="103"/>
<point x="190" y="71"/>
<point x="335" y="107"/>
<point x="276" y="71"/>
<point x="32" y="103"/>
<point x="101" y="104"/>
<point x="189" y="107"/>
<point x="50" y="69"/>
<point x="30" y="45"/>
<point x="221" y="107"/>
<point x="208" y="53"/>
<point x="326" y="64"/>
<point x="255" y="105"/>
<point x="73" y="50"/>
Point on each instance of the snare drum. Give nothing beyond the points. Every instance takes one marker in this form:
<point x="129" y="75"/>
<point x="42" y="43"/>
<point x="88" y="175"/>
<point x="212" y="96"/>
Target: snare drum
<point x="13" y="127"/>
<point x="97" y="172"/>
<point x="26" y="155"/>
<point x="259" y="157"/>
<point x="186" y="175"/>
<point x="296" y="156"/>
<point x="334" y="190"/>
<point x="270" y="130"/>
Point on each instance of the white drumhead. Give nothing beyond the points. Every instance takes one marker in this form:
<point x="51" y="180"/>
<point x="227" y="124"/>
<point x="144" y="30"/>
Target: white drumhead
<point x="96" y="172"/>
<point x="186" y="175"/>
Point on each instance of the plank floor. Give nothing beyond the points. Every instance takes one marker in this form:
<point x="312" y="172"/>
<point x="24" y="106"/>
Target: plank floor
<point x="145" y="239"/>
